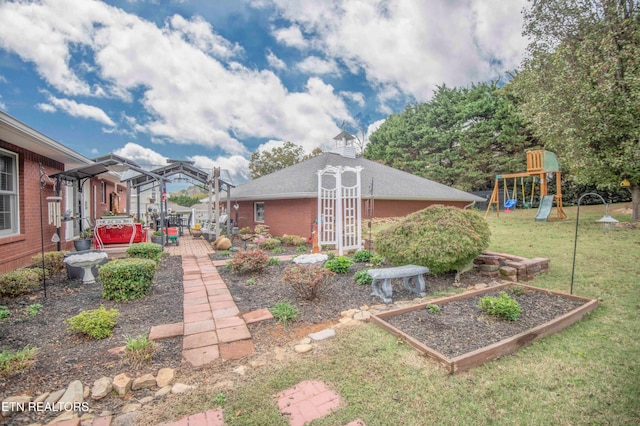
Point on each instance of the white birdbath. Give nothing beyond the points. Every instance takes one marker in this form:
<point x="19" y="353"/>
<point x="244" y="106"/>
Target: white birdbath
<point x="86" y="261"/>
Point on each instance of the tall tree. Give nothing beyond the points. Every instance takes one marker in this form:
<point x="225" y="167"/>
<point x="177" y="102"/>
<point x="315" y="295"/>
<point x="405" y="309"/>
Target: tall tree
<point x="268" y="161"/>
<point x="580" y="87"/>
<point x="462" y="137"/>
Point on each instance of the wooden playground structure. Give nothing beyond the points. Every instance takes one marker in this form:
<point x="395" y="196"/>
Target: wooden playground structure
<point x="540" y="163"/>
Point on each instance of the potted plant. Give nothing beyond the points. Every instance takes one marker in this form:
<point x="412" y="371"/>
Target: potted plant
<point x="85" y="238"/>
<point x="156" y="237"/>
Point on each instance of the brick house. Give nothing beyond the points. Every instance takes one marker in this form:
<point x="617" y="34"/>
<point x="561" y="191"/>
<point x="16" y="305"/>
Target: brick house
<point x="27" y="158"/>
<point x="287" y="200"/>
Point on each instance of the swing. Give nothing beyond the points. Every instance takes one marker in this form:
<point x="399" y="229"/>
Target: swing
<point x="509" y="202"/>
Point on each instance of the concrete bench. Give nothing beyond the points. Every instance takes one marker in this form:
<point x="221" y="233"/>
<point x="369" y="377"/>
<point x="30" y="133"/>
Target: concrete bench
<point x="410" y="274"/>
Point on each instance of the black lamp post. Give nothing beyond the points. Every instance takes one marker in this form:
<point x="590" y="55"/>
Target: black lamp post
<point x="606" y="220"/>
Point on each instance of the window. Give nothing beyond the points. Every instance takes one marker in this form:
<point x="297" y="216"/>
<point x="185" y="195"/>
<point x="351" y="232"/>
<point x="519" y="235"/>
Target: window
<point x="8" y="193"/>
<point x="103" y="192"/>
<point x="258" y="212"/>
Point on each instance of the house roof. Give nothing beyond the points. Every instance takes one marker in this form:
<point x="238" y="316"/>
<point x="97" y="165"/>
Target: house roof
<point x="301" y="181"/>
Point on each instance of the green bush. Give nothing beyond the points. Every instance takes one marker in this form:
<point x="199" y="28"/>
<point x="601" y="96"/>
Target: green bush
<point x="126" y="279"/>
<point x="95" y="323"/>
<point x="4" y="312"/>
<point x="12" y="362"/>
<point x="274" y="261"/>
<point x="376" y="260"/>
<point x="294" y="240"/>
<point x="33" y="309"/>
<point x="339" y="264"/>
<point x="145" y="251"/>
<point x="301" y="249"/>
<point x="20" y="281"/>
<point x="440" y="237"/>
<point x="306" y="280"/>
<point x="362" y="277"/>
<point x="502" y="306"/>
<point x="248" y="261"/>
<point x="270" y="244"/>
<point x="138" y="350"/>
<point x="284" y="312"/>
<point x="53" y="261"/>
<point x="362" y="256"/>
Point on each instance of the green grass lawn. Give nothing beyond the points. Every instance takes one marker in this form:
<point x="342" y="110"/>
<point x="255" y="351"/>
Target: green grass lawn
<point x="587" y="374"/>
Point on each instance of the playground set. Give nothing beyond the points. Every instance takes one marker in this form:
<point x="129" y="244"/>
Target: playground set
<point x="540" y="165"/>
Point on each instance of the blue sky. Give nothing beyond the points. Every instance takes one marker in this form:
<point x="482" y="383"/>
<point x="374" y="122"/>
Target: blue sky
<point x="213" y="81"/>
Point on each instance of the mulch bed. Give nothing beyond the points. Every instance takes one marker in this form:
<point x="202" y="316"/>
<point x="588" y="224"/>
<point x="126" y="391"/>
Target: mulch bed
<point x="64" y="356"/>
<point x="462" y="327"/>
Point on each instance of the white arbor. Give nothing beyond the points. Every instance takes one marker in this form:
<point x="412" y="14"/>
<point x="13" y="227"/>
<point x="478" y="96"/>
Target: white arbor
<point x="339" y="208"/>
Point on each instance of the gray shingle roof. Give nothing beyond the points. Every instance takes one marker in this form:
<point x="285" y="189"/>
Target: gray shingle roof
<point x="301" y="181"/>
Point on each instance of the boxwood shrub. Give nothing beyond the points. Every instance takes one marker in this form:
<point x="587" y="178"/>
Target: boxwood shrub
<point x="95" y="323"/>
<point x="126" y="279"/>
<point x="439" y="237"/>
<point x="20" y="281"/>
<point x="53" y="261"/>
<point x="145" y="251"/>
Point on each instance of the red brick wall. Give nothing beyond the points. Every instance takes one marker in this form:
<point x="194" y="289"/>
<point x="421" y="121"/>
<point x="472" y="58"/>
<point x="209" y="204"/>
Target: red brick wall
<point x="297" y="216"/>
<point x="16" y="251"/>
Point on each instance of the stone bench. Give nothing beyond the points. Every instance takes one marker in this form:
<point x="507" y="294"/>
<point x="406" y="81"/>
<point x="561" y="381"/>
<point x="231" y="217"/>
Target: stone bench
<point x="410" y="274"/>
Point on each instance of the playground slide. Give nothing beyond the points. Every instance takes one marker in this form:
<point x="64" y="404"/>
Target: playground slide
<point x="545" y="208"/>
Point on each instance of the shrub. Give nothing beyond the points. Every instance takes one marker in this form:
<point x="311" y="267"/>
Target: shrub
<point x="269" y="244"/>
<point x="339" y="264"/>
<point x="145" y="251"/>
<point x="284" y="312"/>
<point x="138" y="350"/>
<point x="294" y="240"/>
<point x="95" y="323"/>
<point x="4" y="312"/>
<point x="33" y="309"/>
<point x="301" y="249"/>
<point x="20" y="281"/>
<point x="126" y="279"/>
<point x="331" y="255"/>
<point x="502" y="306"/>
<point x="439" y="237"/>
<point x="245" y="231"/>
<point x="53" y="261"/>
<point x="362" y="256"/>
<point x="376" y="260"/>
<point x="362" y="277"/>
<point x="249" y="261"/>
<point x="12" y="362"/>
<point x="306" y="280"/>
<point x="277" y="250"/>
<point x="274" y="261"/>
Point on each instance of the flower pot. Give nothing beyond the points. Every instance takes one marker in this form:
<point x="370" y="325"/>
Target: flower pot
<point x="82" y="245"/>
<point x="156" y="240"/>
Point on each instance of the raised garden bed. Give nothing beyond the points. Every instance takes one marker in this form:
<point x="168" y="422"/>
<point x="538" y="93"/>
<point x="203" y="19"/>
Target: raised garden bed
<point x="461" y="336"/>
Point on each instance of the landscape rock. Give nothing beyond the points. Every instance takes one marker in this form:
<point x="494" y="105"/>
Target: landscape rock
<point x="224" y="244"/>
<point x="302" y="349"/>
<point x="305" y="341"/>
<point x="13" y="404"/>
<point x="42" y="397"/>
<point x="73" y="394"/>
<point x="101" y="388"/>
<point x="126" y="419"/>
<point x="122" y="384"/>
<point x="146" y="400"/>
<point x="163" y="391"/>
<point x="310" y="259"/>
<point x="143" y="382"/>
<point x="348" y="314"/>
<point x="180" y="388"/>
<point x="68" y="417"/>
<point x="362" y="316"/>
<point x="54" y="397"/>
<point x="129" y="408"/>
<point x="165" y="377"/>
<point x="322" y="335"/>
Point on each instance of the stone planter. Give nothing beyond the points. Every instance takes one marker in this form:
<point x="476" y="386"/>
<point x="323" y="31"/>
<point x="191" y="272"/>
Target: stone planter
<point x="82" y="245"/>
<point x="156" y="240"/>
<point x="74" y="272"/>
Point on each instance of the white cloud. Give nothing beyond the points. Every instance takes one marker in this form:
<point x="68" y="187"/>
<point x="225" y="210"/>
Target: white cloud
<point x="144" y="157"/>
<point x="291" y="37"/>
<point x="3" y="79"/>
<point x="199" y="32"/>
<point x="275" y="62"/>
<point x="236" y="165"/>
<point x="76" y="109"/>
<point x="413" y="45"/>
<point x="318" y="66"/>
<point x="356" y="97"/>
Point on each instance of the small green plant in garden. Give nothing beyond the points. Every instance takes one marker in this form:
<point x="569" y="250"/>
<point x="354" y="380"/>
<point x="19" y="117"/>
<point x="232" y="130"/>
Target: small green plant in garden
<point x="224" y="253"/>
<point x="4" y="312"/>
<point x="339" y="264"/>
<point x="362" y="256"/>
<point x="126" y="279"/>
<point x="249" y="261"/>
<point x="277" y="250"/>
<point x="376" y="260"/>
<point x="220" y="399"/>
<point x="502" y="306"/>
<point x="12" y="362"/>
<point x="145" y="251"/>
<point x="251" y="281"/>
<point x="20" y="281"/>
<point x="274" y="261"/>
<point x="516" y="290"/>
<point x="33" y="309"/>
<point x="95" y="323"/>
<point x="331" y="255"/>
<point x="362" y="277"/>
<point x="270" y="244"/>
<point x="138" y="350"/>
<point x="284" y="312"/>
<point x="294" y="240"/>
<point x="301" y="249"/>
<point x="432" y="308"/>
